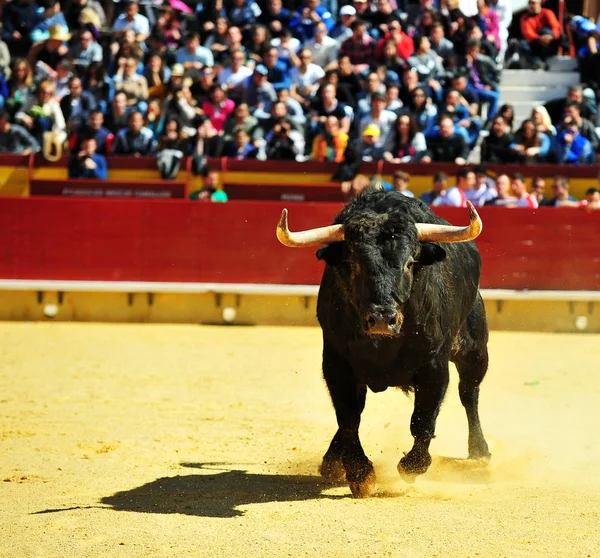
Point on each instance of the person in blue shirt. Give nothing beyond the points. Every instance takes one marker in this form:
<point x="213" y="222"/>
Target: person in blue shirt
<point x="572" y="147"/>
<point x="87" y="163"/>
<point x="303" y="22"/>
<point x="278" y="72"/>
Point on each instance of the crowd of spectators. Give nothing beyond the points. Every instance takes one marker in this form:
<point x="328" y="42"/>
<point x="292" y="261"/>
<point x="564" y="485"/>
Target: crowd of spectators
<point x="321" y="80"/>
<point x="477" y="185"/>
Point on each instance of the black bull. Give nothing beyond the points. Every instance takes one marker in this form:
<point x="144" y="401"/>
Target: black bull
<point x="395" y="307"/>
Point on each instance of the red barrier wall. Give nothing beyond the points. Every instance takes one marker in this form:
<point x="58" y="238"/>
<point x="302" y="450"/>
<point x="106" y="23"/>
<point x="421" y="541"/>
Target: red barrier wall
<point x="154" y="240"/>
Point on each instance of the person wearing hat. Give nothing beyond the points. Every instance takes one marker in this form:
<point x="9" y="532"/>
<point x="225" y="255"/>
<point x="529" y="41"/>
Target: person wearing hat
<point x="382" y="118"/>
<point x="342" y="29"/>
<point x="48" y="53"/>
<point x="49" y="16"/>
<point x="259" y="93"/>
<point x="368" y="148"/>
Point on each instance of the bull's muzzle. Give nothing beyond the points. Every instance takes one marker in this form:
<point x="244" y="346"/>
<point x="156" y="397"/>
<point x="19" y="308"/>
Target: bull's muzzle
<point x="382" y="320"/>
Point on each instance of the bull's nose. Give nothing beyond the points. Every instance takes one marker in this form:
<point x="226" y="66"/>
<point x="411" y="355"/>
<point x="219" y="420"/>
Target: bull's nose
<point x="382" y="320"/>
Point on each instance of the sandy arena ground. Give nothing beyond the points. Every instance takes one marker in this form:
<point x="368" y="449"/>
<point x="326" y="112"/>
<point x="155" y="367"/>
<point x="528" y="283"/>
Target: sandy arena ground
<point x="149" y="440"/>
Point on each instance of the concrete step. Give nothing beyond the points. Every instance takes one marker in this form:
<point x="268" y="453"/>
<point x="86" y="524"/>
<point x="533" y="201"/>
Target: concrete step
<point x="562" y="64"/>
<point x="539" y="78"/>
<point x="536" y="93"/>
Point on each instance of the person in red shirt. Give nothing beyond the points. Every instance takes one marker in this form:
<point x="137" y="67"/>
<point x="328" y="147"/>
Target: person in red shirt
<point x="404" y="43"/>
<point x="541" y="33"/>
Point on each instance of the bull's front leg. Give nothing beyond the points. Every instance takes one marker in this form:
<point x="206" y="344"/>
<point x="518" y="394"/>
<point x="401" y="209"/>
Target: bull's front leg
<point x="430" y="387"/>
<point x="345" y="454"/>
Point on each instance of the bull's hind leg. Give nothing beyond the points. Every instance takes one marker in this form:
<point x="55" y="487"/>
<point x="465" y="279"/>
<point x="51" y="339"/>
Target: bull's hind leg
<point x="471" y="359"/>
<point x="472" y="367"/>
<point x="430" y="387"/>
<point x="345" y="453"/>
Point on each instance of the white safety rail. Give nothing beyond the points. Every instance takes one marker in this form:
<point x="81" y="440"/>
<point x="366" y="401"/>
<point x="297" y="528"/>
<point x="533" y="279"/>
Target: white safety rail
<point x="253" y="289"/>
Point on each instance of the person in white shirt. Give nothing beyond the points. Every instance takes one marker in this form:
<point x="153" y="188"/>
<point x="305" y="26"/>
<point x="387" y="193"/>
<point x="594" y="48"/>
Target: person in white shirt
<point x="485" y="187"/>
<point x="233" y="77"/>
<point x="305" y="78"/>
<point x="324" y="49"/>
<point x="464" y="190"/>
<point x="382" y="118"/>
<point x="524" y="199"/>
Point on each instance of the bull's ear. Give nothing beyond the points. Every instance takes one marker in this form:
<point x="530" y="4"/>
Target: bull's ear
<point x="332" y="254"/>
<point x="431" y="253"/>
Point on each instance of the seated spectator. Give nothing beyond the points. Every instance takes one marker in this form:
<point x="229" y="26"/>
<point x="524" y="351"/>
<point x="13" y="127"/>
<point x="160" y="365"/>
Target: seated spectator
<point x="18" y="18"/>
<point x="234" y="75"/>
<point x="374" y="87"/>
<point x="538" y="186"/>
<point x="294" y="109"/>
<point x="556" y="108"/>
<point x="368" y="148"/>
<point x="361" y="49"/>
<point x="118" y="114"/>
<point x="209" y="142"/>
<point x="42" y="114"/>
<point x="392" y="97"/>
<point x="541" y="33"/>
<point x="193" y="56"/>
<point x="331" y="143"/>
<point x="132" y="19"/>
<point x="126" y="47"/>
<point x="427" y="64"/>
<point x="258" y="43"/>
<point x="425" y="112"/>
<point x="259" y="94"/>
<point x="218" y="107"/>
<point x="49" y="14"/>
<point x="77" y="105"/>
<point x="45" y="55"/>
<point x="572" y="147"/>
<point x="394" y="65"/>
<point x="20" y="85"/>
<point x="485" y="186"/>
<point x="157" y="74"/>
<point x="169" y="26"/>
<point x="212" y="189"/>
<point x="401" y="182"/>
<point x="305" y="79"/>
<point x="99" y="85"/>
<point x="529" y="145"/>
<point x="404" y="44"/>
<point x="408" y="143"/>
<point x="508" y="113"/>
<point x="346" y="83"/>
<point x="287" y="48"/>
<point x="469" y="95"/>
<point x="524" y="199"/>
<point x="15" y="139"/>
<point x="464" y="124"/>
<point x="242" y="13"/>
<point x="310" y="12"/>
<point x="201" y="88"/>
<point x="233" y="43"/>
<point x="240" y="148"/>
<point x="87" y="163"/>
<point x="216" y="41"/>
<point x="504" y="197"/>
<point x="560" y="187"/>
<point x="382" y="118"/>
<point x="585" y="39"/>
<point x="541" y="119"/>
<point x="488" y="22"/>
<point x="280" y="146"/>
<point x="487" y="48"/>
<point x="94" y="128"/>
<point x="342" y="29"/>
<point x="586" y="127"/>
<point x="442" y="46"/>
<point x="483" y="76"/>
<point x="181" y="106"/>
<point x="136" y="139"/>
<point x="496" y="147"/>
<point x="173" y="144"/>
<point x="464" y="190"/>
<point x="446" y="146"/>
<point x="328" y="105"/>
<point x="278" y="72"/>
<point x="324" y="49"/>
<point x="86" y="50"/>
<point x="132" y="84"/>
<point x="155" y="119"/>
<point x="438" y="189"/>
<point x="275" y="17"/>
<point x="241" y="119"/>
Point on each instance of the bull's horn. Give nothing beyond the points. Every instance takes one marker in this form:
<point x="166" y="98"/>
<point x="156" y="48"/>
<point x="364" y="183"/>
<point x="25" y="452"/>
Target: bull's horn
<point x="311" y="237"/>
<point x="447" y="233"/>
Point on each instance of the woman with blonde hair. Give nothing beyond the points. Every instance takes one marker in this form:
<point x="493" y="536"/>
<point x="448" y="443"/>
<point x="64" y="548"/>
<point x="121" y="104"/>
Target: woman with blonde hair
<point x="20" y="85"/>
<point x="542" y="121"/>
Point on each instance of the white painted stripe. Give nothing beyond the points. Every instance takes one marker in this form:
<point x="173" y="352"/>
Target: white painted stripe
<point x="251" y="289"/>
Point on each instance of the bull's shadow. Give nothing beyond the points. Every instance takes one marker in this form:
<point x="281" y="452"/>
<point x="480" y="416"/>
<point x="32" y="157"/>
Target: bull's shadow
<point x="218" y="494"/>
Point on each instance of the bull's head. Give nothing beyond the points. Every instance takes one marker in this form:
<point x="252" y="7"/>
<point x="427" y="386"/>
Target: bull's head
<point x="377" y="256"/>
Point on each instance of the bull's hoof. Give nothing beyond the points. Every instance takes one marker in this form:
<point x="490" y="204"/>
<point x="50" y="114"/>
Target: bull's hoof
<point x="364" y="488"/>
<point x="412" y="465"/>
<point x="479" y="452"/>
<point x="332" y="469"/>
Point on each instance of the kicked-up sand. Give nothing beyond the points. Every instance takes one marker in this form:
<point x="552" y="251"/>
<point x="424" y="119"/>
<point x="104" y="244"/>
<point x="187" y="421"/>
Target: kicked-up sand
<point x="164" y="440"/>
